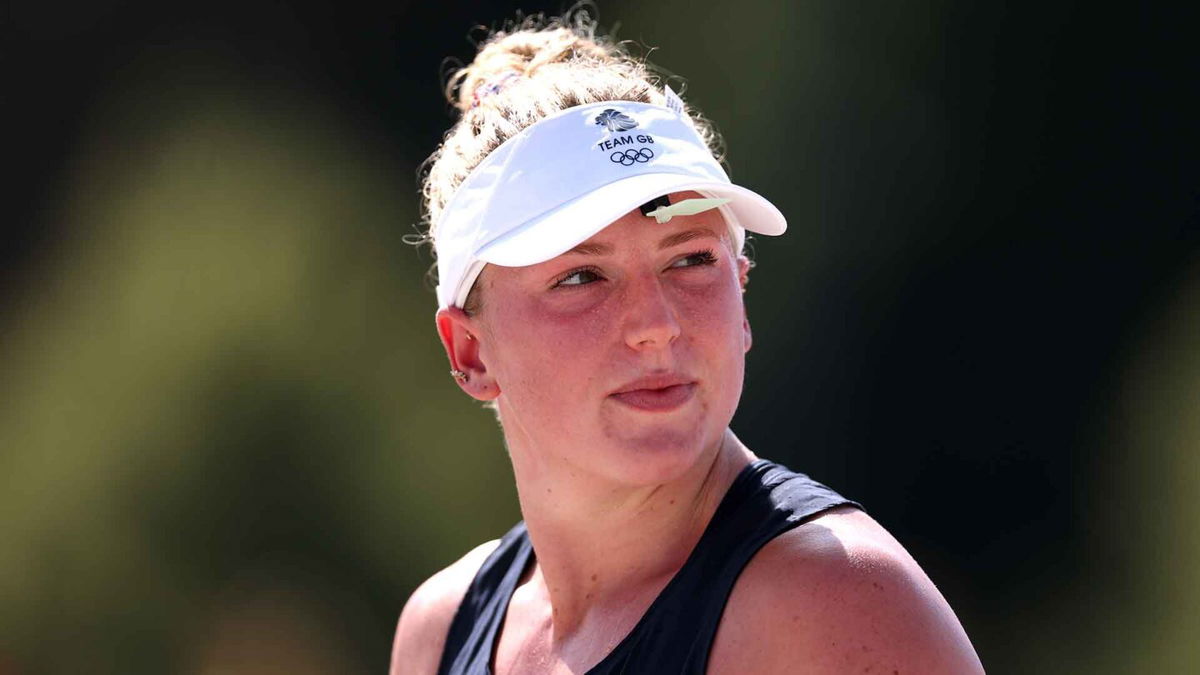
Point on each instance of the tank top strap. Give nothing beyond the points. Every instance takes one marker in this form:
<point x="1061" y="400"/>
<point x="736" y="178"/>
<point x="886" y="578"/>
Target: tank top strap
<point x="676" y="633"/>
<point x="477" y="621"/>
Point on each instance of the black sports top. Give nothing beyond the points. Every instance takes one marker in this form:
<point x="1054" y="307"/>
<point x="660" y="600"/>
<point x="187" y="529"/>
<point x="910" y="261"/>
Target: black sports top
<point x="676" y="632"/>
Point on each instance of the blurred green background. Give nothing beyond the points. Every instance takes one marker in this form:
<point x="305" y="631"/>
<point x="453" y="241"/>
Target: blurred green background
<point x="228" y="443"/>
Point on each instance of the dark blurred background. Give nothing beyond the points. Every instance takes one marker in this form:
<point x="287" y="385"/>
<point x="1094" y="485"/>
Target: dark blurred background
<point x="228" y="443"/>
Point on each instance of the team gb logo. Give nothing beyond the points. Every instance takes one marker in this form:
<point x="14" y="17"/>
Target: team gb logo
<point x="614" y="120"/>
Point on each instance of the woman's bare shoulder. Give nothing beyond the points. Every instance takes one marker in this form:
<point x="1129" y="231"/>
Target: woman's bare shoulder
<point x="421" y="631"/>
<point x="839" y="594"/>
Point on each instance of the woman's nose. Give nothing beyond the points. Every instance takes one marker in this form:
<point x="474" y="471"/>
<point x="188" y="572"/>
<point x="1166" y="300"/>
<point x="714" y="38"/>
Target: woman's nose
<point x="650" y="318"/>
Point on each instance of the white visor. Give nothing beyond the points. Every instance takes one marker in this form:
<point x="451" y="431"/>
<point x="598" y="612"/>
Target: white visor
<point x="567" y="177"/>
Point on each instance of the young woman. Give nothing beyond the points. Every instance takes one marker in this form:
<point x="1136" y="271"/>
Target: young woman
<point x="590" y="289"/>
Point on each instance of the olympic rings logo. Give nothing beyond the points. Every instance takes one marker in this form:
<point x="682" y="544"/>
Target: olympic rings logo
<point x="628" y="157"/>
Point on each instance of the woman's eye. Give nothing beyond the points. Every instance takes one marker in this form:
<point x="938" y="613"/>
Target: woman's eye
<point x="578" y="278"/>
<point x="696" y="259"/>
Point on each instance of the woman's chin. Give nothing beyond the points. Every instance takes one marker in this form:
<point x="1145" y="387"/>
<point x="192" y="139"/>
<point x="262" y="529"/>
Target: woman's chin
<point x="654" y="458"/>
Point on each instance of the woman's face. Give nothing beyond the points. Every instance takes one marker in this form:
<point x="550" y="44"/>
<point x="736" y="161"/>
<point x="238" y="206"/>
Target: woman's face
<point x="623" y="357"/>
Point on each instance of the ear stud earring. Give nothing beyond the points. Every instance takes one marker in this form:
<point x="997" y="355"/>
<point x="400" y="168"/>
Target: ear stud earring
<point x="459" y="375"/>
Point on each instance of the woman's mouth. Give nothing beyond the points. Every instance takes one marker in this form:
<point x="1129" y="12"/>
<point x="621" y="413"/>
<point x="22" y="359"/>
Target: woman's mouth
<point x="663" y="399"/>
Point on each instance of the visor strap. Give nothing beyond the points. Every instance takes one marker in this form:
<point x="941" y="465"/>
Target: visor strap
<point x="658" y="202"/>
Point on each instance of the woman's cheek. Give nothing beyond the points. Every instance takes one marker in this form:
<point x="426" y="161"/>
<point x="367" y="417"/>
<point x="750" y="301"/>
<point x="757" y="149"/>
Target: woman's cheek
<point x="710" y="306"/>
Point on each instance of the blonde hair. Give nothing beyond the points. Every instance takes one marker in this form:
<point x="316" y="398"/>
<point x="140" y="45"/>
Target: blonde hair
<point x="522" y="74"/>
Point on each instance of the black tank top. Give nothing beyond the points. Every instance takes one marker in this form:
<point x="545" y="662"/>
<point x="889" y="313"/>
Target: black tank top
<point x="676" y="632"/>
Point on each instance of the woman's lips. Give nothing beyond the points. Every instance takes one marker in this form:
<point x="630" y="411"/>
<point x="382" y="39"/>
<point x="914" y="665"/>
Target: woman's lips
<point x="657" y="400"/>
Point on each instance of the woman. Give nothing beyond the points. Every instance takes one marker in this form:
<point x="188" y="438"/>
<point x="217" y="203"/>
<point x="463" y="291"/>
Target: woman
<point x="590" y="290"/>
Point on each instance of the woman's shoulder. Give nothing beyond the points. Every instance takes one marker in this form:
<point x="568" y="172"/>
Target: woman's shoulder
<point x="425" y="621"/>
<point x="839" y="594"/>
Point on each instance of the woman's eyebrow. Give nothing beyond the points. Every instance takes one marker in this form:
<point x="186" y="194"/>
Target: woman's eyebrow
<point x="685" y="236"/>
<point x="593" y="248"/>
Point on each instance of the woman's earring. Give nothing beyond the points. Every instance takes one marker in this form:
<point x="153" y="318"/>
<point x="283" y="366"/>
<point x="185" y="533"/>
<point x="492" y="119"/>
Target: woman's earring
<point x="457" y="374"/>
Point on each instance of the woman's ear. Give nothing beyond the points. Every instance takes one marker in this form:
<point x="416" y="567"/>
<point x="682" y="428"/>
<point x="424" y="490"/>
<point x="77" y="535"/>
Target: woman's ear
<point x="463" y="349"/>
<point x="744" y="265"/>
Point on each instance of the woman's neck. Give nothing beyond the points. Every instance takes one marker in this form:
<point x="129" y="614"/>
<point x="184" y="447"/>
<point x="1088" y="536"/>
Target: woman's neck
<point x="598" y="546"/>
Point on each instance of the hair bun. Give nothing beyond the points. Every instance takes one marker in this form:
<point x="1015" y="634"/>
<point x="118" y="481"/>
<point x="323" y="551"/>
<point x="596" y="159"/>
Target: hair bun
<point x="521" y="53"/>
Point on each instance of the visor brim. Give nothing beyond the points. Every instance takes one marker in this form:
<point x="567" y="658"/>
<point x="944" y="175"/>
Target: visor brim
<point x="568" y="225"/>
